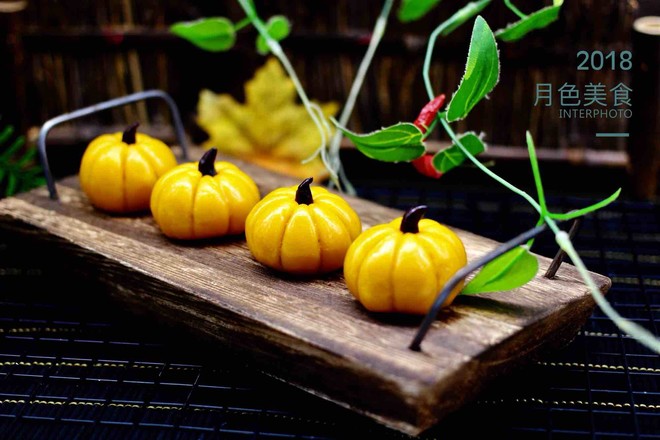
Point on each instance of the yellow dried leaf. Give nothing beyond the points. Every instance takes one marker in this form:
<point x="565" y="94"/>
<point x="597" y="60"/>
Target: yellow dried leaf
<point x="270" y="129"/>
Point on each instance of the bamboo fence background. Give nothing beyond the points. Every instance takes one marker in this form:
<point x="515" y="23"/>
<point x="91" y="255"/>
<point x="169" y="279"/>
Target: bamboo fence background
<point x="67" y="54"/>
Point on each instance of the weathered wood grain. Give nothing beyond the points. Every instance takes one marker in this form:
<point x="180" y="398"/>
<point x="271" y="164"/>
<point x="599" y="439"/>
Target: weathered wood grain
<point x="310" y="332"/>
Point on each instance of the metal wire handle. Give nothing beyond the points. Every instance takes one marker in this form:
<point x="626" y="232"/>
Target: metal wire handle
<point x="460" y="275"/>
<point x="86" y="111"/>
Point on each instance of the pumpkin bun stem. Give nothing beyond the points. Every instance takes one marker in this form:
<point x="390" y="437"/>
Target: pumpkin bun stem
<point x="129" y="134"/>
<point x="207" y="163"/>
<point x="410" y="220"/>
<point x="304" y="193"/>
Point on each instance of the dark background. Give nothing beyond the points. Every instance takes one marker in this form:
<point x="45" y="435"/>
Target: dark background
<point x="67" y="54"/>
<point x="74" y="364"/>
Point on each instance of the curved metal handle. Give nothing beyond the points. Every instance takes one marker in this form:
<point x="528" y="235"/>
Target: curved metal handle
<point x="416" y="344"/>
<point x="86" y="111"/>
<point x="432" y="314"/>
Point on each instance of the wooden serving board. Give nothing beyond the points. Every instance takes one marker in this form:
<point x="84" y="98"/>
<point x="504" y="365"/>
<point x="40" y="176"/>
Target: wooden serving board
<point x="310" y="332"/>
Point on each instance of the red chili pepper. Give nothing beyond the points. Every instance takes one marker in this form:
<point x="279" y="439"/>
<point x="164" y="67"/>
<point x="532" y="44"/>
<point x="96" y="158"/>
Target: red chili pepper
<point x="424" y="165"/>
<point x="429" y="112"/>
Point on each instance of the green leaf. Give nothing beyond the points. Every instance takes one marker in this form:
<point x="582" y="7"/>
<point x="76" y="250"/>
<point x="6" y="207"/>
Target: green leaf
<point x="396" y="143"/>
<point x="537" y="20"/>
<point x="215" y="34"/>
<point x="12" y="182"/>
<point x="536" y="172"/>
<point x="509" y="271"/>
<point x="580" y="212"/>
<point x="31" y="173"/>
<point x="27" y="157"/>
<point x="453" y="156"/>
<point x="6" y="133"/>
<point x="17" y="173"/>
<point x="463" y="15"/>
<point x="411" y="10"/>
<point x="13" y="148"/>
<point x="482" y="72"/>
<point x="278" y="28"/>
<point x="27" y="185"/>
<point x="514" y="9"/>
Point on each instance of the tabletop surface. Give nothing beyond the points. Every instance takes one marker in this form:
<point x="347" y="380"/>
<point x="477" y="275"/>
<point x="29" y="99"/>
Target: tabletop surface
<point x="73" y="364"/>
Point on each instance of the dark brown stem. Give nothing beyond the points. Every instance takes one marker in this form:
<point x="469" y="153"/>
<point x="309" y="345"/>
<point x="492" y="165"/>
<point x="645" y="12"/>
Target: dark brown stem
<point x="304" y="193"/>
<point x="129" y="134"/>
<point x="410" y="220"/>
<point x="207" y="163"/>
<point x="560" y="255"/>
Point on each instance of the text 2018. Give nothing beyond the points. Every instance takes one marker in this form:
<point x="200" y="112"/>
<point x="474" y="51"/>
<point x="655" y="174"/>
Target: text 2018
<point x="596" y="60"/>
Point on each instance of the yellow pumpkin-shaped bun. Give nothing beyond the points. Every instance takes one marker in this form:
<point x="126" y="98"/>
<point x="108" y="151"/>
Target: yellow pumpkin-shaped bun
<point x="203" y="200"/>
<point x="118" y="171"/>
<point x="401" y="266"/>
<point x="302" y="230"/>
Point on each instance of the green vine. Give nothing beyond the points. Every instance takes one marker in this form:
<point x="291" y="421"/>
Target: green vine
<point x="640" y="333"/>
<point x="405" y="141"/>
<point x="377" y="36"/>
<point x="515" y="10"/>
<point x="276" y="50"/>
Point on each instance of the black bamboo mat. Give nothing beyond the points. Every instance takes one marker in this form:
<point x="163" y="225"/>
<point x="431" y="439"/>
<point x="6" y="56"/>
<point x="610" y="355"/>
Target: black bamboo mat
<point x="75" y="365"/>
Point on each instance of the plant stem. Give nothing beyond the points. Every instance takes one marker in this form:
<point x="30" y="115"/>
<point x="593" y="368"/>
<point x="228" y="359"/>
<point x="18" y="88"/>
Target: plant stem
<point x="443" y="119"/>
<point x="429" y="54"/>
<point x="515" y="10"/>
<point x="500" y="180"/>
<point x="242" y="24"/>
<point x="580" y="212"/>
<point x="642" y="335"/>
<point x="276" y="50"/>
<point x="447" y="27"/>
<point x="539" y="184"/>
<point x="537" y="174"/>
<point x="563" y="240"/>
<point x="530" y="242"/>
<point x="377" y="36"/>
